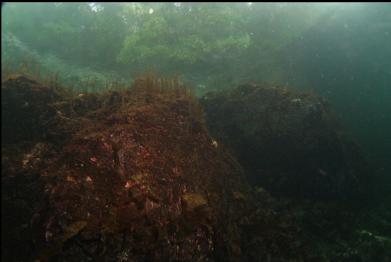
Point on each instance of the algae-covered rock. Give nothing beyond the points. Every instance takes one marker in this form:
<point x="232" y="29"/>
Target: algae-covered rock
<point x="147" y="180"/>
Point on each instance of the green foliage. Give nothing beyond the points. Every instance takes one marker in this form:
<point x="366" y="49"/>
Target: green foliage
<point x="207" y="44"/>
<point x="72" y="31"/>
<point x="220" y="41"/>
<point x="185" y="35"/>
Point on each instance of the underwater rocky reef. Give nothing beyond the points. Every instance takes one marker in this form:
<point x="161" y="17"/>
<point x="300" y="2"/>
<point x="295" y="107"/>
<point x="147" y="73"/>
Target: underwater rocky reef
<point x="151" y="173"/>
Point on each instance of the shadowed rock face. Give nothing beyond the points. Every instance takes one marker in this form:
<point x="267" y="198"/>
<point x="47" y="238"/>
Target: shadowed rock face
<point x="24" y="109"/>
<point x="287" y="141"/>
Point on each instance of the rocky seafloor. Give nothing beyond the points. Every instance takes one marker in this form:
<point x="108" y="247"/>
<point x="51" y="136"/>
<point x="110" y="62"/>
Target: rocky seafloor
<point x="152" y="173"/>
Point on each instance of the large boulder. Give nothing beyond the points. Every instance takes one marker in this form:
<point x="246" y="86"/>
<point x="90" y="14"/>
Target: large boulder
<point x="287" y="141"/>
